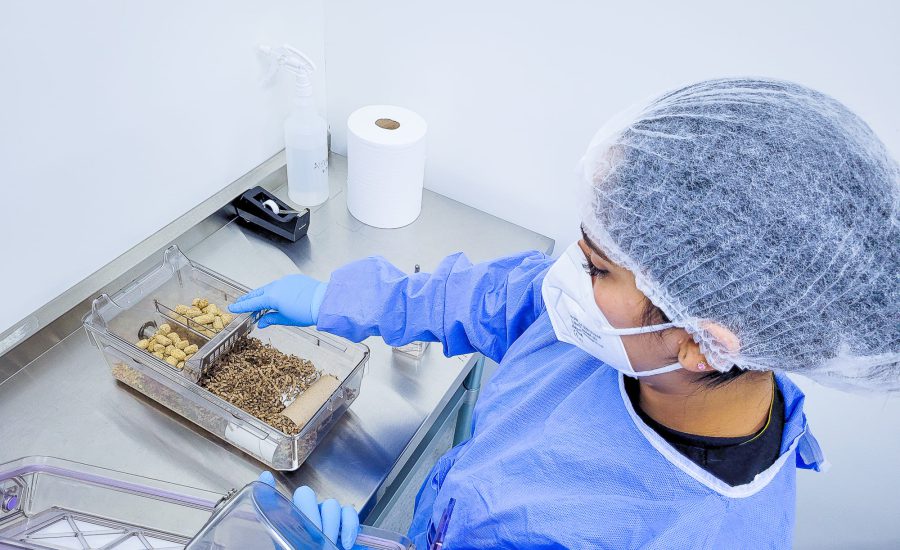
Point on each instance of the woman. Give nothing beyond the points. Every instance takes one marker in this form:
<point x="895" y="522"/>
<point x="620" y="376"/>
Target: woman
<point x="733" y="231"/>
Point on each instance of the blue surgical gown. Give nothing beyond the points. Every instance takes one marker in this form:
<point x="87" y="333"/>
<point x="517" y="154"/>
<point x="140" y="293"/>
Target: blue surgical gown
<point x="558" y="458"/>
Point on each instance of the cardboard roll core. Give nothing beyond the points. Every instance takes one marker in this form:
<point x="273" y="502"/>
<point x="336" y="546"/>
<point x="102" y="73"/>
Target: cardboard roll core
<point x="387" y="123"/>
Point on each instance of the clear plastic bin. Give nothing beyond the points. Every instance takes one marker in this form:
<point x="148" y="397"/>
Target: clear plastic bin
<point x="150" y="300"/>
<point x="114" y="324"/>
<point x="50" y="504"/>
<point x="261" y="517"/>
<point x="413" y="349"/>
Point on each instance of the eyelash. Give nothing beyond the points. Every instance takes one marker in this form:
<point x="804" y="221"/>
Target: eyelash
<point x="594" y="271"/>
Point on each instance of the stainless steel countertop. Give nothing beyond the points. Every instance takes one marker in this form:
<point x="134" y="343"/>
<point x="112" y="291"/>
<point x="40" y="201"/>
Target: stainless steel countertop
<point x="66" y="404"/>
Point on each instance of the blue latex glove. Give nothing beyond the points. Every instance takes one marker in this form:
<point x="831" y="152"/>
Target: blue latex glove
<point x="294" y="300"/>
<point x="328" y="516"/>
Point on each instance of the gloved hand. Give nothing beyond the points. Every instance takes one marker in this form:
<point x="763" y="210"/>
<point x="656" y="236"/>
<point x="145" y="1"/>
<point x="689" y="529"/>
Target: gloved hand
<point x="294" y="300"/>
<point x="328" y="516"/>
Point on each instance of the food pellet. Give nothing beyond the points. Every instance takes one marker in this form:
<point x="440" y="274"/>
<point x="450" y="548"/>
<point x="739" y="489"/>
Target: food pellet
<point x="172" y="353"/>
<point x="204" y="319"/>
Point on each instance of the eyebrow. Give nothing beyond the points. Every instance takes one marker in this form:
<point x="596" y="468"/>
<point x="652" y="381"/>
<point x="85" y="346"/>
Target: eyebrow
<point x="594" y="248"/>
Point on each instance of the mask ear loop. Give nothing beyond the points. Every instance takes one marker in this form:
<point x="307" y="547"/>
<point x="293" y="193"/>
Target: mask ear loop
<point x="653" y="372"/>
<point x="637" y="330"/>
<point x="576" y="256"/>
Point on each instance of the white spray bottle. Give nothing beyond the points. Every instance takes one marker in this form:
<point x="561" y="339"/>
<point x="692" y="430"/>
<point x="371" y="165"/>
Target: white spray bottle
<point x="305" y="130"/>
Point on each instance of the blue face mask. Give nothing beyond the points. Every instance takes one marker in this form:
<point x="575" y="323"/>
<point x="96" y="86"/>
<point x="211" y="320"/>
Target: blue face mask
<point x="569" y="297"/>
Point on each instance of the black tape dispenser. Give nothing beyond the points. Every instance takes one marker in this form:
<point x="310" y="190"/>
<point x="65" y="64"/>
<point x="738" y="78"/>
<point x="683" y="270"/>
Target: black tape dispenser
<point x="263" y="209"/>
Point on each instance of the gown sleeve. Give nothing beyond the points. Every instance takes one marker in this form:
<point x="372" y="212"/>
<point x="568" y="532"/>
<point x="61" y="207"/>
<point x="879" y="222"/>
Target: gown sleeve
<point x="467" y="307"/>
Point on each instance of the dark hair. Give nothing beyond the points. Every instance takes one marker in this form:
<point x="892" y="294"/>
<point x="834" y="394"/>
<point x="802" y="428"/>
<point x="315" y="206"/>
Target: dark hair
<point x="652" y="315"/>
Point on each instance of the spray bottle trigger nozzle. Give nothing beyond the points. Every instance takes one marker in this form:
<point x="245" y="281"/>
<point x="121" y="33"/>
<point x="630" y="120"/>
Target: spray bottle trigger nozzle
<point x="289" y="57"/>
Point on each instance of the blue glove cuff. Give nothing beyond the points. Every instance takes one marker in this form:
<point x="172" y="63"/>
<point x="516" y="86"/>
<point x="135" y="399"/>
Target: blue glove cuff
<point x="316" y="302"/>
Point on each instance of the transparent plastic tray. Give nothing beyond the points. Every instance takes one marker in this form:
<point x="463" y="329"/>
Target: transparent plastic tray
<point x="260" y="517"/>
<point x="52" y="504"/>
<point x="114" y="325"/>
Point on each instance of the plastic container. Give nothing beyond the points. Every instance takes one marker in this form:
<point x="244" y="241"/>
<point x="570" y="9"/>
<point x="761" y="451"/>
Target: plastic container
<point x="261" y="517"/>
<point x="115" y="320"/>
<point x="48" y="503"/>
<point x="413" y="349"/>
<point x="62" y="504"/>
<point x="306" y="150"/>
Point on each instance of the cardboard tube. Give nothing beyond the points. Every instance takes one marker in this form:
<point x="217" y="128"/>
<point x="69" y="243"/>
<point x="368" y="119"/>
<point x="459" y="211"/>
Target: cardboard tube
<point x="309" y="402"/>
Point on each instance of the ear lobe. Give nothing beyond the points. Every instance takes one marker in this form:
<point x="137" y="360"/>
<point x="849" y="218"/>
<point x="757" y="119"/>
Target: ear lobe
<point x="690" y="356"/>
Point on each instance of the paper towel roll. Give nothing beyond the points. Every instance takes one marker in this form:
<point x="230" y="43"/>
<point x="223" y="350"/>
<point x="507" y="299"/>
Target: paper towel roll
<point x="385" y="165"/>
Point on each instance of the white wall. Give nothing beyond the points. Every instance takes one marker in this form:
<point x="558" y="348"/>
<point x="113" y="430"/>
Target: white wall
<point x="856" y="504"/>
<point x="513" y="91"/>
<point x="118" y="117"/>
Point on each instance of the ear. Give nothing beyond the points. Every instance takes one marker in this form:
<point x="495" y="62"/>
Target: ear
<point x="691" y="358"/>
<point x="722" y="335"/>
<point x="585" y="249"/>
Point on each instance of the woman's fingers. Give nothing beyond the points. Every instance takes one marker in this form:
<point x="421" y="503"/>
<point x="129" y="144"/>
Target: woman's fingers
<point x="331" y="519"/>
<point x="305" y="500"/>
<point x="349" y="527"/>
<point x="253" y="303"/>
<point x="267" y="478"/>
<point x="328" y="517"/>
<point x="251" y="294"/>
<point x="273" y="318"/>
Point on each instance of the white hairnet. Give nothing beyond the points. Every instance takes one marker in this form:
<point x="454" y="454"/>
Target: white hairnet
<point x="763" y="207"/>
